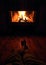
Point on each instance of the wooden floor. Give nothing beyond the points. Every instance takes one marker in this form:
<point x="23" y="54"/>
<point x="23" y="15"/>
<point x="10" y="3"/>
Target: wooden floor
<point x="36" y="47"/>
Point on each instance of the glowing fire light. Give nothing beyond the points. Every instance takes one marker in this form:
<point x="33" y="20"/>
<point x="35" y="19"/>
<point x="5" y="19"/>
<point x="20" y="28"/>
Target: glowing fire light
<point x="21" y="15"/>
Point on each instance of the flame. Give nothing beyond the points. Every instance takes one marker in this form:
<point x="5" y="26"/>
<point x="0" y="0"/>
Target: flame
<point x="22" y="15"/>
<point x="14" y="17"/>
<point x="31" y="17"/>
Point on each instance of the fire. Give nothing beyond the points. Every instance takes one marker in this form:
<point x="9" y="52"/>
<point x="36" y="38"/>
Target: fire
<point x="22" y="16"/>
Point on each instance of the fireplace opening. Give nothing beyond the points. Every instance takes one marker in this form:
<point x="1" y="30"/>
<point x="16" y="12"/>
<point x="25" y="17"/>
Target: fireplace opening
<point x="23" y="16"/>
<point x="22" y="22"/>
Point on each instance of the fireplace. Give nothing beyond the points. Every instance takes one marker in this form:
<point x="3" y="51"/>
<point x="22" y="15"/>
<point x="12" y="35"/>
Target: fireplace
<point x="22" y="22"/>
<point x="22" y="16"/>
<point x="23" y="11"/>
